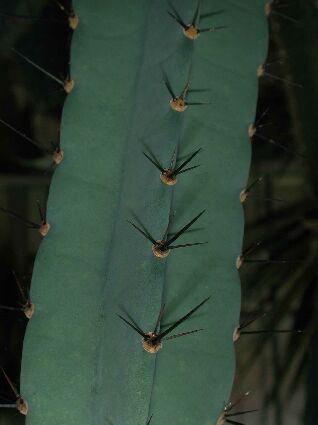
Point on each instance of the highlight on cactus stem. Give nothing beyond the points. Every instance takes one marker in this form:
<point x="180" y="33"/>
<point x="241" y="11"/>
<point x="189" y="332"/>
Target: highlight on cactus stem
<point x="191" y="31"/>
<point x="152" y="341"/>
<point x="169" y="175"/>
<point x="20" y="404"/>
<point x="43" y="227"/>
<point x="161" y="248"/>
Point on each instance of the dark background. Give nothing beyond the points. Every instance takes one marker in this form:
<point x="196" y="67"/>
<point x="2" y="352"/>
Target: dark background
<point x="281" y="210"/>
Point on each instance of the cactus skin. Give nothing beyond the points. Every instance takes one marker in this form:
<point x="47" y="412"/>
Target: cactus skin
<point x="81" y="364"/>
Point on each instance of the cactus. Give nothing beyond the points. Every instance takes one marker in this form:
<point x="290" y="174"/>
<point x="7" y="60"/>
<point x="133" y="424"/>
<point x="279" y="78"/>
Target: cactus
<point x="158" y="86"/>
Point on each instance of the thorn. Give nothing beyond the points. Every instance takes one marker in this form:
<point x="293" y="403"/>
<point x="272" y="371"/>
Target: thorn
<point x="28" y="307"/>
<point x="191" y="32"/>
<point x="183" y="318"/>
<point x="279" y="145"/>
<point x="168" y="228"/>
<point x="269" y="10"/>
<point x="241" y="258"/>
<point x="261" y="72"/>
<point x="68" y="85"/>
<point x="272" y="331"/>
<point x="20" y="403"/>
<point x="30" y="224"/>
<point x="236" y="333"/>
<point x="251" y="131"/>
<point x="244" y="193"/>
<point x="137" y="329"/>
<point x="185" y="228"/>
<point x="5" y="307"/>
<point x="279" y="261"/>
<point x="58" y="156"/>
<point x="158" y="322"/>
<point x="175" y="15"/>
<point x="212" y="29"/>
<point x="186" y="245"/>
<point x="24" y="136"/>
<point x="234" y="422"/>
<point x="28" y="310"/>
<point x="24" y="297"/>
<point x="152" y="341"/>
<point x="8" y="406"/>
<point x="30" y="18"/>
<point x="249" y="322"/>
<point x="243" y="412"/>
<point x="146" y="234"/>
<point x="178" y="169"/>
<point x="173" y="160"/>
<point x="197" y="103"/>
<point x="190" y="168"/>
<point x="228" y="407"/>
<point x="169" y="175"/>
<point x="197" y="15"/>
<point x="161" y="248"/>
<point x="41" y="214"/>
<point x="43" y="228"/>
<point x="260" y="118"/>
<point x="73" y="20"/>
<point x="270" y="199"/>
<point x="168" y="85"/>
<point x="154" y="162"/>
<point x="149" y="420"/>
<point x="179" y="103"/>
<point x="182" y="334"/>
<point x="238" y="330"/>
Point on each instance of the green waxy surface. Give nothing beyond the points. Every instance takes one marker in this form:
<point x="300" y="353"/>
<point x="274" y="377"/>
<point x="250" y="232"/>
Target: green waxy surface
<point x="81" y="363"/>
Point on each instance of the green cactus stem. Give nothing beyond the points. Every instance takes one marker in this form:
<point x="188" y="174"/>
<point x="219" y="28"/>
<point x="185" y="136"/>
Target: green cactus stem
<point x="81" y="364"/>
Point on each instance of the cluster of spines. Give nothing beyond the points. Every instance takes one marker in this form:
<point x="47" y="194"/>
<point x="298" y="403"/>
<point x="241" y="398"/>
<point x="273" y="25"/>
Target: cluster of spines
<point x="253" y="132"/>
<point x="43" y="227"/>
<point x="152" y="341"/>
<point x="55" y="151"/>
